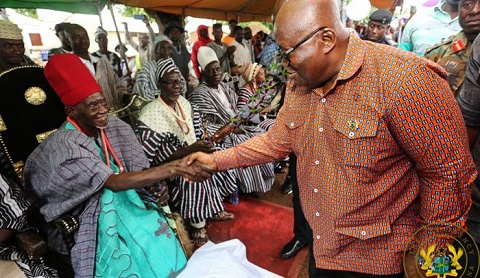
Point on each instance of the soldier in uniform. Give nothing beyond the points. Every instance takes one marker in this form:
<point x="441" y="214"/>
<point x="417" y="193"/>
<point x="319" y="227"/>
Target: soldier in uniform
<point x="378" y="26"/>
<point x="452" y="53"/>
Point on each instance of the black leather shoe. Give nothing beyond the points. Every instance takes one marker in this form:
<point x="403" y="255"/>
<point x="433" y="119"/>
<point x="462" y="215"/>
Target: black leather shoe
<point x="291" y="249"/>
<point x="287" y="185"/>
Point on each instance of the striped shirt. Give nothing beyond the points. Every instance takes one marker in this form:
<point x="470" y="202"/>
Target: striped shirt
<point x="13" y="214"/>
<point x="162" y="136"/>
<point x="209" y="103"/>
<point x="382" y="152"/>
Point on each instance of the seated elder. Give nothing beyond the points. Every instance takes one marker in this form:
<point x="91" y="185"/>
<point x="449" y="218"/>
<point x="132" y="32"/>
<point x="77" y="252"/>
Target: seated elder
<point x="254" y="75"/>
<point x="92" y="168"/>
<point x="146" y="82"/>
<point x="217" y="103"/>
<point x="170" y="129"/>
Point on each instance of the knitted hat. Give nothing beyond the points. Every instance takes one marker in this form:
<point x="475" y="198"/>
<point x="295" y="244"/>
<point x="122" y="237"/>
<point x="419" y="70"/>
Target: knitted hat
<point x="205" y="56"/>
<point x="70" y="78"/>
<point x="10" y="31"/>
<point x="165" y="66"/>
<point x="251" y="71"/>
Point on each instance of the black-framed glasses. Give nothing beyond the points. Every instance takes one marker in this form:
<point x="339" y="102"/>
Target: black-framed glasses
<point x="173" y="82"/>
<point x="284" y="53"/>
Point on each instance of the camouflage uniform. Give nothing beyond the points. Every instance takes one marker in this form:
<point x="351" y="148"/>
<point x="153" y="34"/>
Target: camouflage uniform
<point x="452" y="54"/>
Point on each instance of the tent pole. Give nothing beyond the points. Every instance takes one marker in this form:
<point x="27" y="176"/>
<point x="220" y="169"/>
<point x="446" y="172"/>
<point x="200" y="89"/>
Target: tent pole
<point x="343" y="10"/>
<point x="99" y="14"/>
<point x="122" y="53"/>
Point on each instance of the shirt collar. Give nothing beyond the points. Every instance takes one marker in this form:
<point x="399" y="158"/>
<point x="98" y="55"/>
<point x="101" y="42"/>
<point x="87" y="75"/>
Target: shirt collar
<point x="353" y="57"/>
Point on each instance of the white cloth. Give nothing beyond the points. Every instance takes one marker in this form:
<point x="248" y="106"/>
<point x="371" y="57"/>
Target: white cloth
<point x="242" y="55"/>
<point x="205" y="56"/>
<point x="226" y="259"/>
<point x="157" y="117"/>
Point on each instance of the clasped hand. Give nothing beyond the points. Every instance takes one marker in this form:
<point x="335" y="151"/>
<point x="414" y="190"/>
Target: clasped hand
<point x="194" y="171"/>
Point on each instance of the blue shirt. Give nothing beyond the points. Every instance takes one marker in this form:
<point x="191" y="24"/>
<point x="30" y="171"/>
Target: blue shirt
<point x="424" y="30"/>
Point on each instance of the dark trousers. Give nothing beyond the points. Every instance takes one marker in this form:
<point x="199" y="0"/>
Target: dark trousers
<point x="323" y="273"/>
<point x="301" y="229"/>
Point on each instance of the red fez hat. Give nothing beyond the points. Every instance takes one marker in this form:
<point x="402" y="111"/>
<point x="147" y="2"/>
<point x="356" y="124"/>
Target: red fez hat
<point x="70" y="78"/>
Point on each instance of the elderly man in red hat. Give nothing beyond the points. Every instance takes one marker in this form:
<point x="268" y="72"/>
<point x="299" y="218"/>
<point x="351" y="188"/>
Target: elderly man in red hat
<point x="94" y="169"/>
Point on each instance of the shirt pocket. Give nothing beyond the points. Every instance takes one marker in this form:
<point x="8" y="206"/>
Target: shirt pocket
<point x="363" y="228"/>
<point x="298" y="110"/>
<point x="357" y="138"/>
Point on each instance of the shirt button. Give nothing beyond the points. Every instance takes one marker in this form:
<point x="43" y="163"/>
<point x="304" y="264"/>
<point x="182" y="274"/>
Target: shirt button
<point x="323" y="100"/>
<point x="318" y="237"/>
<point x="315" y="190"/>
<point x="317" y="213"/>
<point x="292" y="124"/>
<point x="317" y="162"/>
<point x="363" y="233"/>
<point x="320" y="129"/>
<point x="351" y="134"/>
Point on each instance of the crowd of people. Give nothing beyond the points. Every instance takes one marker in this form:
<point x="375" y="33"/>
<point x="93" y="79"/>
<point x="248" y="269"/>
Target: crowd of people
<point x="378" y="133"/>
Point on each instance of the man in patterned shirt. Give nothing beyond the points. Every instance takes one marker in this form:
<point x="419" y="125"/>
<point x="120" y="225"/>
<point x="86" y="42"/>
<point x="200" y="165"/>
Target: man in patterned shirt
<point x="381" y="144"/>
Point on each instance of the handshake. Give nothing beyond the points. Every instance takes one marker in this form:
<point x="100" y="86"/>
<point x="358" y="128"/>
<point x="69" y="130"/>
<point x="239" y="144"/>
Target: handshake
<point x="196" y="167"/>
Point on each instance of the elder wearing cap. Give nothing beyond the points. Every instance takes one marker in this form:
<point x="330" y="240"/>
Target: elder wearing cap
<point x="170" y="129"/>
<point x="12" y="49"/>
<point x="147" y="78"/>
<point x="94" y="169"/>
<point x="378" y="27"/>
<point x="217" y="102"/>
<point x="102" y="52"/>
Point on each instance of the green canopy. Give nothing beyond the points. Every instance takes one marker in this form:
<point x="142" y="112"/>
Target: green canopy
<point x="72" y="6"/>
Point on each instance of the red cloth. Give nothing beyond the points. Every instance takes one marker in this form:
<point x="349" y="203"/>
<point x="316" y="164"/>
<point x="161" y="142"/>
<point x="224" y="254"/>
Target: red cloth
<point x="70" y="79"/>
<point x="201" y="42"/>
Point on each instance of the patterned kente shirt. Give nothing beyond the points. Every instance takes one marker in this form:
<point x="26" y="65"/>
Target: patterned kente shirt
<point x="382" y="152"/>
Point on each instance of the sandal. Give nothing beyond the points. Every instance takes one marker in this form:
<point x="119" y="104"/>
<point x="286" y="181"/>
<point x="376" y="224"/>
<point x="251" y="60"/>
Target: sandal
<point x="224" y="216"/>
<point x="199" y="236"/>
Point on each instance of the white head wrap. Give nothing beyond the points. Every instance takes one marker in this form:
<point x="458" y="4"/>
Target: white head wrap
<point x="100" y="31"/>
<point x="205" y="56"/>
<point x="10" y="31"/>
<point x="161" y="38"/>
<point x="251" y="71"/>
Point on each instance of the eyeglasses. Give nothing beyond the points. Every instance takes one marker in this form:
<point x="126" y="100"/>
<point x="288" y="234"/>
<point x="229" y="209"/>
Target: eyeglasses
<point x="97" y="105"/>
<point x="174" y="82"/>
<point x="284" y="53"/>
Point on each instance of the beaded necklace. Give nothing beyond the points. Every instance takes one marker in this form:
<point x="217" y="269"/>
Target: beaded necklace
<point x="182" y="119"/>
<point x="107" y="147"/>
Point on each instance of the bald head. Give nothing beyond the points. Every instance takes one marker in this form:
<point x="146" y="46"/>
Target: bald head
<point x="277" y="7"/>
<point x="314" y="29"/>
<point x="293" y="16"/>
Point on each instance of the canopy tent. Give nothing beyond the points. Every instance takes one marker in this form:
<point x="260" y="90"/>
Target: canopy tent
<point x="242" y="10"/>
<point x="72" y="6"/>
